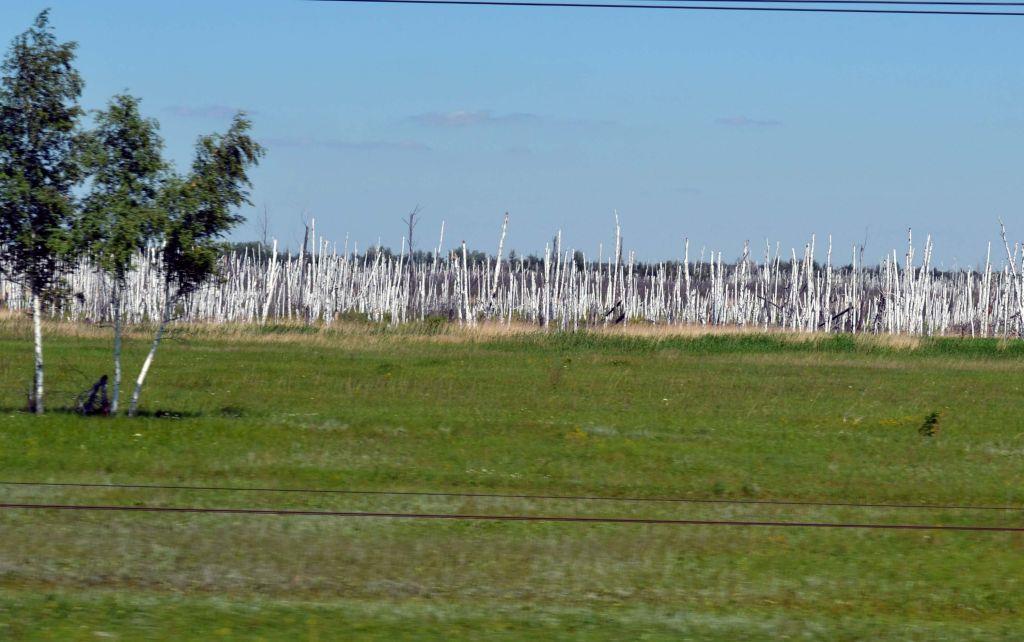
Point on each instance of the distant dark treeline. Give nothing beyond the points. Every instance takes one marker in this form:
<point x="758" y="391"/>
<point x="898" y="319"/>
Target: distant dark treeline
<point x="263" y="251"/>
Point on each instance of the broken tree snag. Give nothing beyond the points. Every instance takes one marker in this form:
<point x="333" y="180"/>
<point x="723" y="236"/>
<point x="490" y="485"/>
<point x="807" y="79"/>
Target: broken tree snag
<point x="833" y="318"/>
<point x="96" y="403"/>
<point x="617" y="308"/>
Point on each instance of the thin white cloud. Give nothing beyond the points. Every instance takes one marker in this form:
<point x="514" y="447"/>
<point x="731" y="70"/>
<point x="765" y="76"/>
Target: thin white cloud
<point x="517" y="151"/>
<point x="347" y="145"/>
<point x="205" y="111"/>
<point x="745" y="121"/>
<point x="466" y="118"/>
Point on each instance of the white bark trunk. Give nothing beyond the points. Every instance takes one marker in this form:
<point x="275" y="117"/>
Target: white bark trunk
<point x="37" y="333"/>
<point x="133" y="408"/>
<point x="1014" y="282"/>
<point x="465" y="287"/>
<point x="497" y="263"/>
<point x="116" y="304"/>
<point x="272" y="281"/>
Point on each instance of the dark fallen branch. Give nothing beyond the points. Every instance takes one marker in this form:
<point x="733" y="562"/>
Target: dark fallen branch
<point x="615" y="306"/>
<point x="621" y="310"/>
<point x="769" y="302"/>
<point x="835" y="316"/>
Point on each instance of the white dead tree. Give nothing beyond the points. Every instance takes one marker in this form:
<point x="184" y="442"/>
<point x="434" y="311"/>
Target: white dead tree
<point x="898" y="295"/>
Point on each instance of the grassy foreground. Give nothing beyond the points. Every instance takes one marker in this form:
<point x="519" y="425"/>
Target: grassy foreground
<point x="643" y="415"/>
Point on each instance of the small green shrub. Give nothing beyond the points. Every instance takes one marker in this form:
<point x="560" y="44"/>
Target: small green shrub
<point x="930" y="427"/>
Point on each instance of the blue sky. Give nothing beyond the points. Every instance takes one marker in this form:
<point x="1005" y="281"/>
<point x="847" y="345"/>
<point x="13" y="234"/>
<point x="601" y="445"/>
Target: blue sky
<point x="717" y="126"/>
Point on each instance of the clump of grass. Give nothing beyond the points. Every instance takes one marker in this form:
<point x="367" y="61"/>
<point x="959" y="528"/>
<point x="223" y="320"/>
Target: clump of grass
<point x="231" y="411"/>
<point x="930" y="427"/>
<point x="555" y="376"/>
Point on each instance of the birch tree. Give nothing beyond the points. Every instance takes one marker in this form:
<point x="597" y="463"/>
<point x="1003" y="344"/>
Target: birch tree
<point x="39" y="168"/>
<point x="120" y="217"/>
<point x="199" y="210"/>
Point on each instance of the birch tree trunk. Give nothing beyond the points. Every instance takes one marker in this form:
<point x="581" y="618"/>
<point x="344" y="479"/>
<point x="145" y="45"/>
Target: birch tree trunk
<point x="164" y="319"/>
<point x="115" y="303"/>
<point x="37" y="333"/>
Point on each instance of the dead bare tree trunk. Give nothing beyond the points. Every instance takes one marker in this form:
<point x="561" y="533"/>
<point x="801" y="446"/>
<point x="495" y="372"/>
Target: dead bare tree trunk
<point x="497" y="264"/>
<point x="264" y="227"/>
<point x="411" y="222"/>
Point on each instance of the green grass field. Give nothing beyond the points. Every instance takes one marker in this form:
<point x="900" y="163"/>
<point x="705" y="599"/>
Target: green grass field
<point x="732" y="416"/>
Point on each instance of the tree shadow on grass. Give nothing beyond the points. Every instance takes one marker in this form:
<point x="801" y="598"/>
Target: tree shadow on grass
<point x="159" y="413"/>
<point x="163" y="413"/>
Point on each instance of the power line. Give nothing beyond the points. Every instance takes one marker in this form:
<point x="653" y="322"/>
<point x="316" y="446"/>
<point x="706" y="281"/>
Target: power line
<point x="941" y="3"/>
<point x="678" y="7"/>
<point x="413" y="493"/>
<point x="509" y="518"/>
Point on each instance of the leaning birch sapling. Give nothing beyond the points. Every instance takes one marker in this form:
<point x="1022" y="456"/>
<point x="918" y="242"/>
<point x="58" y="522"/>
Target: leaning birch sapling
<point x="39" y="169"/>
<point x="199" y="210"/>
<point x="120" y="217"/>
